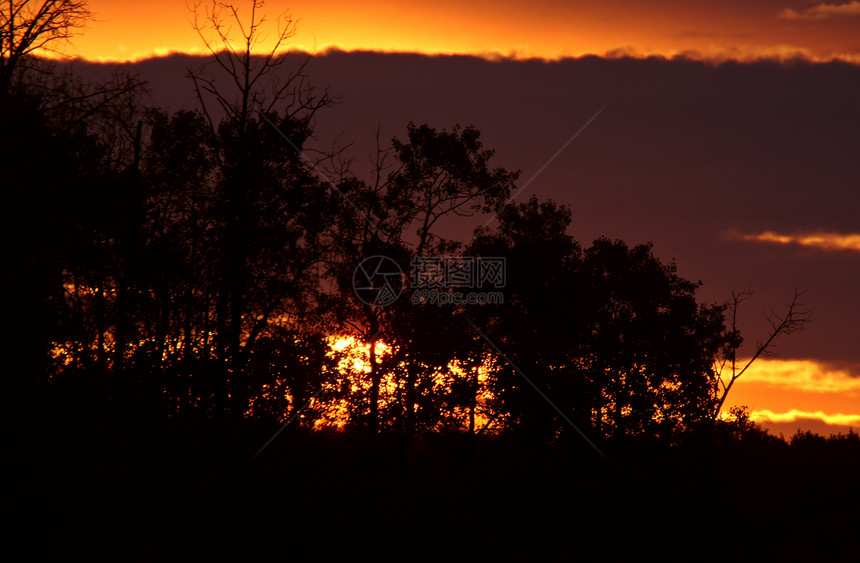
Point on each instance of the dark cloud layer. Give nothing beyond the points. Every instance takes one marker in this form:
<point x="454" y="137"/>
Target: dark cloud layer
<point x="683" y="153"/>
<point x="814" y="425"/>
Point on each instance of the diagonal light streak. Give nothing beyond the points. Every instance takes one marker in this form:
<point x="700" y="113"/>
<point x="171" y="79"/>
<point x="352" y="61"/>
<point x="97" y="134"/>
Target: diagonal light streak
<point x="548" y="162"/>
<point x="314" y="168"/>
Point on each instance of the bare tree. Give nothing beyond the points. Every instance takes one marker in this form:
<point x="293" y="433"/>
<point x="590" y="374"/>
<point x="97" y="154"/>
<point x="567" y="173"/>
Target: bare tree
<point x="27" y="27"/>
<point x="257" y="77"/>
<point x="251" y="97"/>
<point x="795" y="317"/>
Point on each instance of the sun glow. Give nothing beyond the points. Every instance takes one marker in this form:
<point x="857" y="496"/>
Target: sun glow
<point x="354" y="367"/>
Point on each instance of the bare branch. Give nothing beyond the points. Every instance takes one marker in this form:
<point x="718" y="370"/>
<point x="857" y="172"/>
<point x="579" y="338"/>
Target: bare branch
<point x="257" y="80"/>
<point x="794" y="319"/>
<point x="27" y="26"/>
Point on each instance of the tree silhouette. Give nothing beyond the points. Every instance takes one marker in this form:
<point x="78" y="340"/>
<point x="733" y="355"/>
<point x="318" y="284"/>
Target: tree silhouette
<point x="65" y="179"/>
<point x="435" y="174"/>
<point x="196" y="265"/>
<point x="28" y="26"/>
<point x="539" y="321"/>
<point x="166" y="247"/>
<point x="293" y="369"/>
<point x="256" y="82"/>
<point x="268" y="203"/>
<point x="56" y="169"/>
<point x="612" y="335"/>
<point x="441" y="174"/>
<point x="795" y="318"/>
<point x="180" y="170"/>
<point x="202" y="254"/>
<point x="233" y="221"/>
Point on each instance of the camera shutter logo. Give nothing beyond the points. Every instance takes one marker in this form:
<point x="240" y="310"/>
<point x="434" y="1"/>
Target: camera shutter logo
<point x="378" y="281"/>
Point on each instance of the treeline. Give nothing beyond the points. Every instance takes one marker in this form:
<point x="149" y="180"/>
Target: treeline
<point x="202" y="263"/>
<point x="139" y="490"/>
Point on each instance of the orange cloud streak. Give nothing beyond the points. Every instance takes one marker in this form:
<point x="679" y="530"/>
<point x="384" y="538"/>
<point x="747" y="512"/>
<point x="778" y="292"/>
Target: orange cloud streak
<point x="822" y="11"/>
<point x="786" y="395"/>
<point x="766" y="416"/>
<point x="802" y="375"/>
<point x="822" y="241"/>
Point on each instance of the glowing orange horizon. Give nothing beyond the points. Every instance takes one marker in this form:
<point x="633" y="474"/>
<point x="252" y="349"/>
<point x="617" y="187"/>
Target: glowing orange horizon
<point x="547" y="30"/>
<point x="800" y="394"/>
<point x="809" y="394"/>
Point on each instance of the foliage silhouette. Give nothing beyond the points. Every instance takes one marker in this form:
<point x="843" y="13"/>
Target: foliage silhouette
<point x="615" y="336"/>
<point x="177" y="279"/>
<point x="435" y="175"/>
<point x="67" y="151"/>
<point x="203" y="257"/>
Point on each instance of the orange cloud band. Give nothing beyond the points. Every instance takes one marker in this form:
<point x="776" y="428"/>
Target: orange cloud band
<point x="838" y="419"/>
<point x="822" y="241"/>
<point x="822" y="11"/>
<point x="788" y="394"/>
<point x="803" y="375"/>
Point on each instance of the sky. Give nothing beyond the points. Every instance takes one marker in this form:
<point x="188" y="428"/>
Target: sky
<point x="550" y="29"/>
<point x="744" y="173"/>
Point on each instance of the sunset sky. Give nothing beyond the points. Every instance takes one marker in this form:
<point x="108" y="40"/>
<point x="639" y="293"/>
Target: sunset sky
<point x="541" y="28"/>
<point x="786" y="142"/>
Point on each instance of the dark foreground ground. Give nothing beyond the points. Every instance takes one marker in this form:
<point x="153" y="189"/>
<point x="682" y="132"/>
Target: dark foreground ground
<point x="113" y="485"/>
